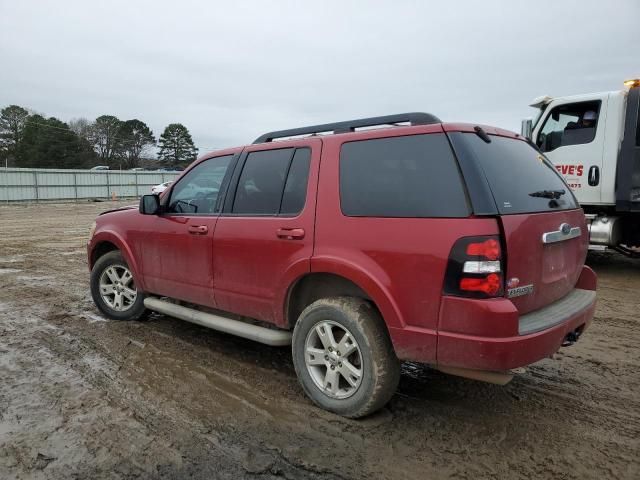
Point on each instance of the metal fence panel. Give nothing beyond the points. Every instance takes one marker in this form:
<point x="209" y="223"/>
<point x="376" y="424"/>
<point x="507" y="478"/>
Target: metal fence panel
<point x="34" y="184"/>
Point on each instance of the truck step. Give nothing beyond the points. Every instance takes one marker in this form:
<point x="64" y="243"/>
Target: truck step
<point x="268" y="336"/>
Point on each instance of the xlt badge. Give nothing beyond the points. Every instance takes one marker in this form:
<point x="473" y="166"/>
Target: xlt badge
<point x="519" y="291"/>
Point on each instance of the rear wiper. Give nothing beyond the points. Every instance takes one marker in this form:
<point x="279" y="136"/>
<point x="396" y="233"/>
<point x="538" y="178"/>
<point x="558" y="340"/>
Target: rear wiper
<point x="555" y="194"/>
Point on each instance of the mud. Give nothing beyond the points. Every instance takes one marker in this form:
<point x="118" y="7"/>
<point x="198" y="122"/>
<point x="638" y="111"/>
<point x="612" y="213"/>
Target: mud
<point x="83" y="397"/>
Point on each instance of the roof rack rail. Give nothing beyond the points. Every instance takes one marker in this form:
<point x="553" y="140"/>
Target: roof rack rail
<point x="414" y="118"/>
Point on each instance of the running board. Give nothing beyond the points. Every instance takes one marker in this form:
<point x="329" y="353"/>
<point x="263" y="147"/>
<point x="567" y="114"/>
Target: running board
<point x="499" y="378"/>
<point x="268" y="336"/>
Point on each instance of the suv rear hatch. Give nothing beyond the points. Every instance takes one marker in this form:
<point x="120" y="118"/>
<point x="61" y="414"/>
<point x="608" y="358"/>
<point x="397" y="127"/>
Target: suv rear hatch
<point x="544" y="229"/>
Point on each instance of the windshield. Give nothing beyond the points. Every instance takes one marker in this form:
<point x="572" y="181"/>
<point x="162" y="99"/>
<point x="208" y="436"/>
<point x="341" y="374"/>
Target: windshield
<point x="521" y="179"/>
<point x="538" y="115"/>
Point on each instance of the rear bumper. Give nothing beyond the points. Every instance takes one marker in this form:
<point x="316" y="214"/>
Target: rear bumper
<point x="504" y="353"/>
<point x="491" y="335"/>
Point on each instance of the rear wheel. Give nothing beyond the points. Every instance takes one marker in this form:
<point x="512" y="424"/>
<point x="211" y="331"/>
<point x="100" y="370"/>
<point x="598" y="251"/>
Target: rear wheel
<point x="343" y="356"/>
<point x="114" y="289"/>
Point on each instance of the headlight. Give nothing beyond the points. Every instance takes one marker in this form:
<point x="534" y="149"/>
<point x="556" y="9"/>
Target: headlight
<point x="92" y="230"/>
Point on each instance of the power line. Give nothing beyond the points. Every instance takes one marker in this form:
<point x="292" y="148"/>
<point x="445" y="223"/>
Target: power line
<point x="122" y="140"/>
<point x="68" y="130"/>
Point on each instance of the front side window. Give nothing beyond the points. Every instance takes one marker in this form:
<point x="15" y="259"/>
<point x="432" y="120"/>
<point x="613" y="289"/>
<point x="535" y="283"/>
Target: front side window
<point x="197" y="192"/>
<point x="570" y="124"/>
<point x="408" y="176"/>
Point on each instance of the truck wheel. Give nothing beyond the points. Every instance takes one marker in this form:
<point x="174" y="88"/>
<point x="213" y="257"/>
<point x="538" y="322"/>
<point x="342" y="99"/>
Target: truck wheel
<point x="114" y="290"/>
<point x="343" y="356"/>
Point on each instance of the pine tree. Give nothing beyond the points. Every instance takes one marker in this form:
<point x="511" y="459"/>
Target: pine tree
<point x="12" y="123"/>
<point x="49" y="143"/>
<point x="176" y="146"/>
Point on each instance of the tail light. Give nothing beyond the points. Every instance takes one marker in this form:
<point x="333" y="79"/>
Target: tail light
<point x="475" y="268"/>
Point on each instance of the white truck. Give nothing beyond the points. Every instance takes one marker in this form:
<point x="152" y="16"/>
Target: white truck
<point x="594" y="142"/>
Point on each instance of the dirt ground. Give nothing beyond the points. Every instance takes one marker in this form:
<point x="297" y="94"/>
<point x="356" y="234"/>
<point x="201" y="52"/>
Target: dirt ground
<point x="83" y="397"/>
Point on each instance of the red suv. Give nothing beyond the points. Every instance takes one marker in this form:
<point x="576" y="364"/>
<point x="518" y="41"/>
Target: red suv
<point x="455" y="245"/>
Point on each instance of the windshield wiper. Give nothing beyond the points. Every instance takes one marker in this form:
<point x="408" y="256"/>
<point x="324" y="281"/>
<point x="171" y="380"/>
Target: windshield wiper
<point x="555" y="194"/>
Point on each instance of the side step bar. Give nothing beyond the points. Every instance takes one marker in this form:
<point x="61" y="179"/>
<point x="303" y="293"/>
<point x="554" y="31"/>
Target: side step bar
<point x="268" y="336"/>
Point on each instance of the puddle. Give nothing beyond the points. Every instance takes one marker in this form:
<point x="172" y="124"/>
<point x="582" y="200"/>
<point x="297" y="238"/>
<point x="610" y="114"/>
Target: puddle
<point x="4" y="271"/>
<point x="12" y="259"/>
<point x="34" y="280"/>
<point x="94" y="318"/>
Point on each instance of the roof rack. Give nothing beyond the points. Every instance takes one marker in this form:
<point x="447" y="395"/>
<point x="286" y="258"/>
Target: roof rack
<point x="414" y="118"/>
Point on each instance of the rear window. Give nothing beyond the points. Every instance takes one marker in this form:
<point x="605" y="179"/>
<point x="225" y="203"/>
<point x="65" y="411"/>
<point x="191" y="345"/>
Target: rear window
<point x="521" y="179"/>
<point x="408" y="176"/>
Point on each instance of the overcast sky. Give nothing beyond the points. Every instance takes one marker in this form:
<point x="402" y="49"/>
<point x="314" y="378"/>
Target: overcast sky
<point x="232" y="70"/>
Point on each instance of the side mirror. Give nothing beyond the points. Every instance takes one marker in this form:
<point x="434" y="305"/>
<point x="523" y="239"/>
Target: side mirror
<point x="526" y="128"/>
<point x="149" y="204"/>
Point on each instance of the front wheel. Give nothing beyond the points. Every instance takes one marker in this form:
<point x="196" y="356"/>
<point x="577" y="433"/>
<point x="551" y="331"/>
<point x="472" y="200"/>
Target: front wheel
<point x="343" y="356"/>
<point x="114" y="289"/>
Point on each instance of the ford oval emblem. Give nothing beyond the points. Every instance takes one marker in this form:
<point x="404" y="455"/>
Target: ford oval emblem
<point x="565" y="228"/>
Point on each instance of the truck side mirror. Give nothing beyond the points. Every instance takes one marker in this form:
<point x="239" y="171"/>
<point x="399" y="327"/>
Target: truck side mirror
<point x="149" y="204"/>
<point x="526" y="128"/>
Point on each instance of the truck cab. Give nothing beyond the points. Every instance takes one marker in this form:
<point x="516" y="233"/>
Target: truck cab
<point x="594" y="142"/>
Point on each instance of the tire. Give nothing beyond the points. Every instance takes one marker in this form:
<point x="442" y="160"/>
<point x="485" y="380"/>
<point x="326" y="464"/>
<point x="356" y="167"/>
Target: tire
<point x="103" y="271"/>
<point x="378" y="365"/>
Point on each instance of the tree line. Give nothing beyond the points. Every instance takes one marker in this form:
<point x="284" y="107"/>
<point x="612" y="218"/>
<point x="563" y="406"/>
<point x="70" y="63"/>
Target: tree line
<point x="29" y="140"/>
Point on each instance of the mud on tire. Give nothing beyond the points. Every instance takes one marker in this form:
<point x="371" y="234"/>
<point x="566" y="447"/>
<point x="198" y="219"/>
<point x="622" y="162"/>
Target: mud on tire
<point x="112" y="284"/>
<point x="362" y="377"/>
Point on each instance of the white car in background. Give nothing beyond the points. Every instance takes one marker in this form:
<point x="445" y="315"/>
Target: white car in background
<point x="158" y="189"/>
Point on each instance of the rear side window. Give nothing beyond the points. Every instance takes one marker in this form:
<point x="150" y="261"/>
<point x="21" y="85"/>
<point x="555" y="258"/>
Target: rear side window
<point x="261" y="182"/>
<point x="295" y="190"/>
<point x="409" y="176"/>
<point x="521" y="179"/>
<point x="273" y="182"/>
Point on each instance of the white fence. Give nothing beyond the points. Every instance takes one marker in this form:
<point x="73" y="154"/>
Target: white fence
<point x="35" y="184"/>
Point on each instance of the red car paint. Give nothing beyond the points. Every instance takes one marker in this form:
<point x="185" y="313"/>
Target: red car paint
<point x="248" y="265"/>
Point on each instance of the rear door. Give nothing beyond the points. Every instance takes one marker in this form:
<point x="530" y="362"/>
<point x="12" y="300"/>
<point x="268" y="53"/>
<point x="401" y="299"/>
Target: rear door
<point x="544" y="229"/>
<point x="264" y="237"/>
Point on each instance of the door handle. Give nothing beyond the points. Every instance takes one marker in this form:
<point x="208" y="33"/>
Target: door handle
<point x="290" y="233"/>
<point x="198" y="229"/>
<point x="594" y="176"/>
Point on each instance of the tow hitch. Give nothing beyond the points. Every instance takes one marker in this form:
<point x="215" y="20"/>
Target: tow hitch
<point x="572" y="337"/>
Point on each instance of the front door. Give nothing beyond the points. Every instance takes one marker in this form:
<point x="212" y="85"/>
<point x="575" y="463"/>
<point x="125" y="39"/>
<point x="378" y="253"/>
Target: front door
<point x="264" y="238"/>
<point x="572" y="136"/>
<point x="177" y="248"/>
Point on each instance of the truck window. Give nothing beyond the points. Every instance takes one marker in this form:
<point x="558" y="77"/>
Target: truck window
<point x="261" y="182"/>
<point x="197" y="192"/>
<point x="521" y="179"/>
<point x="569" y="124"/>
<point x="408" y="176"/>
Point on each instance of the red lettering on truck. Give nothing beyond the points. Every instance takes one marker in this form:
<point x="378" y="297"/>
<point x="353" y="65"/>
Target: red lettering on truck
<point x="570" y="169"/>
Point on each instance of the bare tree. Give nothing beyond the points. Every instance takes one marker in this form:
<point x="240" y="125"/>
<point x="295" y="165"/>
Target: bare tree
<point x="81" y="126"/>
<point x="104" y="136"/>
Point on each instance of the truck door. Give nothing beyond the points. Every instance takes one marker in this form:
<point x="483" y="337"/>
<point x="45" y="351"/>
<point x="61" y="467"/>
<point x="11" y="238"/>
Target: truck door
<point x="264" y="238"/>
<point x="572" y="135"/>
